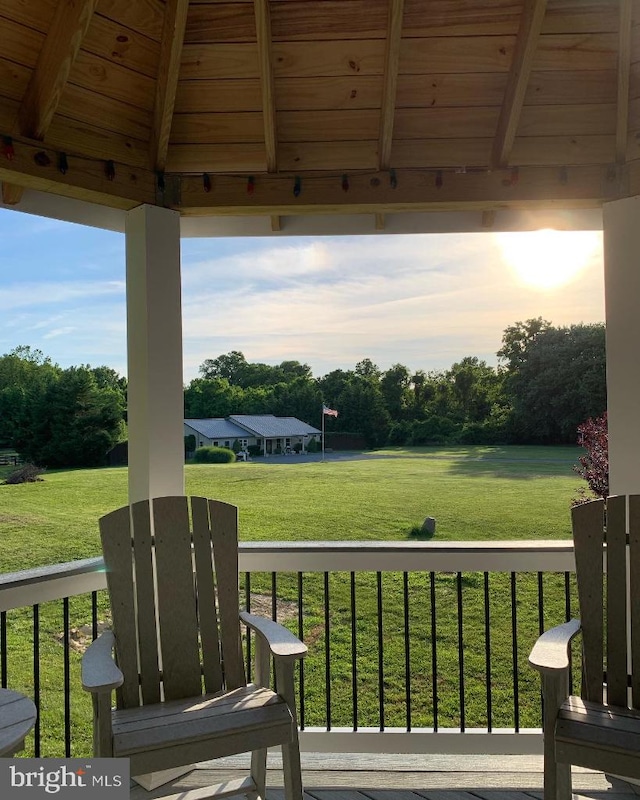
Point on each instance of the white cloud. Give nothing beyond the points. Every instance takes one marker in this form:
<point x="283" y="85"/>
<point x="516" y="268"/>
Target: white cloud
<point x="424" y="301"/>
<point x="59" y="332"/>
<point x="25" y="295"/>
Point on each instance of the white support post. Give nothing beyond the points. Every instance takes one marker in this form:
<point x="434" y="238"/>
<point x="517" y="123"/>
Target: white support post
<point x="154" y="343"/>
<point x="621" y="220"/>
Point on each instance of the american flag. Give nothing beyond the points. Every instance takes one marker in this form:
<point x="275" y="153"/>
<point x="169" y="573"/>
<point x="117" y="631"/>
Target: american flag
<point x="330" y="412"/>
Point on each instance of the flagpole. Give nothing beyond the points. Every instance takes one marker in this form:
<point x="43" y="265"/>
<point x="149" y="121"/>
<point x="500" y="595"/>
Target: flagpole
<point x="323" y="415"/>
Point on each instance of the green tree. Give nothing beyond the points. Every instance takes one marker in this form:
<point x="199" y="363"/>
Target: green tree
<point x="301" y="398"/>
<point x="211" y="397"/>
<point x="362" y="410"/>
<point x="73" y="422"/>
<point x="227" y="366"/>
<point x="555" y="379"/>
<point x="395" y="387"/>
<point x="475" y="386"/>
<point x="24" y="375"/>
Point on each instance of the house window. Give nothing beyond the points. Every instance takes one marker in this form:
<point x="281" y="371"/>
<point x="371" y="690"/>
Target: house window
<point x="226" y="444"/>
<point x="215" y="444"/>
<point x="287" y="442"/>
<point x="244" y="443"/>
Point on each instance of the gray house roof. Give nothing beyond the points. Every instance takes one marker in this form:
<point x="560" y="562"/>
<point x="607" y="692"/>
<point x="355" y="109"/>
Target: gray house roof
<point x="237" y="426"/>
<point x="270" y="427"/>
<point x="216" y="428"/>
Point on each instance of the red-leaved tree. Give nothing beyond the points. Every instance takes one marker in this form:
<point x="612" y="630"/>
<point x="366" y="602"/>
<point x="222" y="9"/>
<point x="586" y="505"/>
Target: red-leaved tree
<point x="594" y="465"/>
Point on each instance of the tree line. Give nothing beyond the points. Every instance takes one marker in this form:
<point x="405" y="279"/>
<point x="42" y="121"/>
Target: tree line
<point x="548" y="381"/>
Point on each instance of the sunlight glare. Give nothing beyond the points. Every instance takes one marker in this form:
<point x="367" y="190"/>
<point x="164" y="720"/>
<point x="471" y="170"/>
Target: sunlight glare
<point x="547" y="259"/>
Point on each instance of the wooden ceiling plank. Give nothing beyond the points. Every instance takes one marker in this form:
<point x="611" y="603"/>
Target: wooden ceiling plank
<point x="265" y="61"/>
<point x="379" y="222"/>
<point x="390" y="85"/>
<point x="11" y="193"/>
<point x="175" y="22"/>
<point x="276" y="223"/>
<point x="113" y="80"/>
<point x="624" y="73"/>
<point x="59" y="51"/>
<point x="521" y="66"/>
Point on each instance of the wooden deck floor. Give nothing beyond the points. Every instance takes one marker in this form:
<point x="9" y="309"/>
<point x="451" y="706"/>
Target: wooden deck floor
<point x="405" y="777"/>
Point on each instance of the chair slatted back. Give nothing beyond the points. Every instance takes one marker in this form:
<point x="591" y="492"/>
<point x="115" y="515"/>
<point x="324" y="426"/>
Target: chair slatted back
<point x="173" y="583"/>
<point x="609" y="597"/>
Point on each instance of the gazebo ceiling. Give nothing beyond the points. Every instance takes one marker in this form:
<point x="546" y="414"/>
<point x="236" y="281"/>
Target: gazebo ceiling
<point x="283" y="108"/>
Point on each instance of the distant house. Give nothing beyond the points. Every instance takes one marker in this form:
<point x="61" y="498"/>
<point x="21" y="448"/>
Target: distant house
<point x="271" y="434"/>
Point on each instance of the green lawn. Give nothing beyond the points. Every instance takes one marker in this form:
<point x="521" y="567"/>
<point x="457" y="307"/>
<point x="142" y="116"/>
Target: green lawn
<point x="473" y="492"/>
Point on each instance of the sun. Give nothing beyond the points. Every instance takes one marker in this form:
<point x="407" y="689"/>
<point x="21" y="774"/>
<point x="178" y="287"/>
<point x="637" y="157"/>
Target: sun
<point x="548" y="259"/>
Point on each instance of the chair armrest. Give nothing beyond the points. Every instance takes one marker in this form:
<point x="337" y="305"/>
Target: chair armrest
<point x="99" y="671"/>
<point x="551" y="652"/>
<point x="281" y="642"/>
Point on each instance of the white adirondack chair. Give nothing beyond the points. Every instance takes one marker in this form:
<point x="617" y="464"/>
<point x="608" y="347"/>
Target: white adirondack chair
<point x="600" y="729"/>
<point x="181" y="691"/>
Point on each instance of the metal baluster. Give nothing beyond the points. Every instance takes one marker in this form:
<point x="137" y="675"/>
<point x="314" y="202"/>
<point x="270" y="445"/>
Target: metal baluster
<point x="434" y="650"/>
<point x="487" y="652"/>
<point x="3" y="648"/>
<point x="36" y="675"/>
<point x="67" y="678"/>
<point x="354" y="654"/>
<point x="380" y="652"/>
<point x="327" y="651"/>
<point x="94" y="615"/>
<point x="247" y="605"/>
<point x="514" y="654"/>
<point x="460" y="650"/>
<point x="407" y="647"/>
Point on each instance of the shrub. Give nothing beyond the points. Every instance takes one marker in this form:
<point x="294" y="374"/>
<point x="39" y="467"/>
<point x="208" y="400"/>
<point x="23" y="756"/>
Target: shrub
<point x="433" y="430"/>
<point x="312" y="446"/>
<point x="27" y="473"/>
<point x="214" y="455"/>
<point x="594" y="465"/>
<point x="400" y="433"/>
<point x="236" y="446"/>
<point x="189" y="444"/>
<point x="254" y="450"/>
<point x="297" y="447"/>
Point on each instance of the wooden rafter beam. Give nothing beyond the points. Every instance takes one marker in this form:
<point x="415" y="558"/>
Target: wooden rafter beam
<point x="624" y="70"/>
<point x="175" y="22"/>
<point x="11" y="194"/>
<point x="390" y="86"/>
<point x="379" y="222"/>
<point x="537" y="187"/>
<point x="60" y="49"/>
<point x="488" y="218"/>
<point x="526" y="44"/>
<point x="35" y="166"/>
<point x="265" y="62"/>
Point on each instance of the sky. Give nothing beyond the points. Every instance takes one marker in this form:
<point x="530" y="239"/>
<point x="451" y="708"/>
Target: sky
<point x="424" y="301"/>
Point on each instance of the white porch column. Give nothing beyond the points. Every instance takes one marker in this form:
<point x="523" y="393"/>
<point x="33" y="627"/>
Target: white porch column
<point x="154" y="345"/>
<point x="621" y="220"/>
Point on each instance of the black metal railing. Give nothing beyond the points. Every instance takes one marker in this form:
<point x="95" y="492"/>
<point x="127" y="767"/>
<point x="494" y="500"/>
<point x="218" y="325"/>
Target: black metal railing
<point x="417" y="651"/>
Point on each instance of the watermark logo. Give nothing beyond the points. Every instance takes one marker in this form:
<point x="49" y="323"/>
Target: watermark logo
<point x="64" y="778"/>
